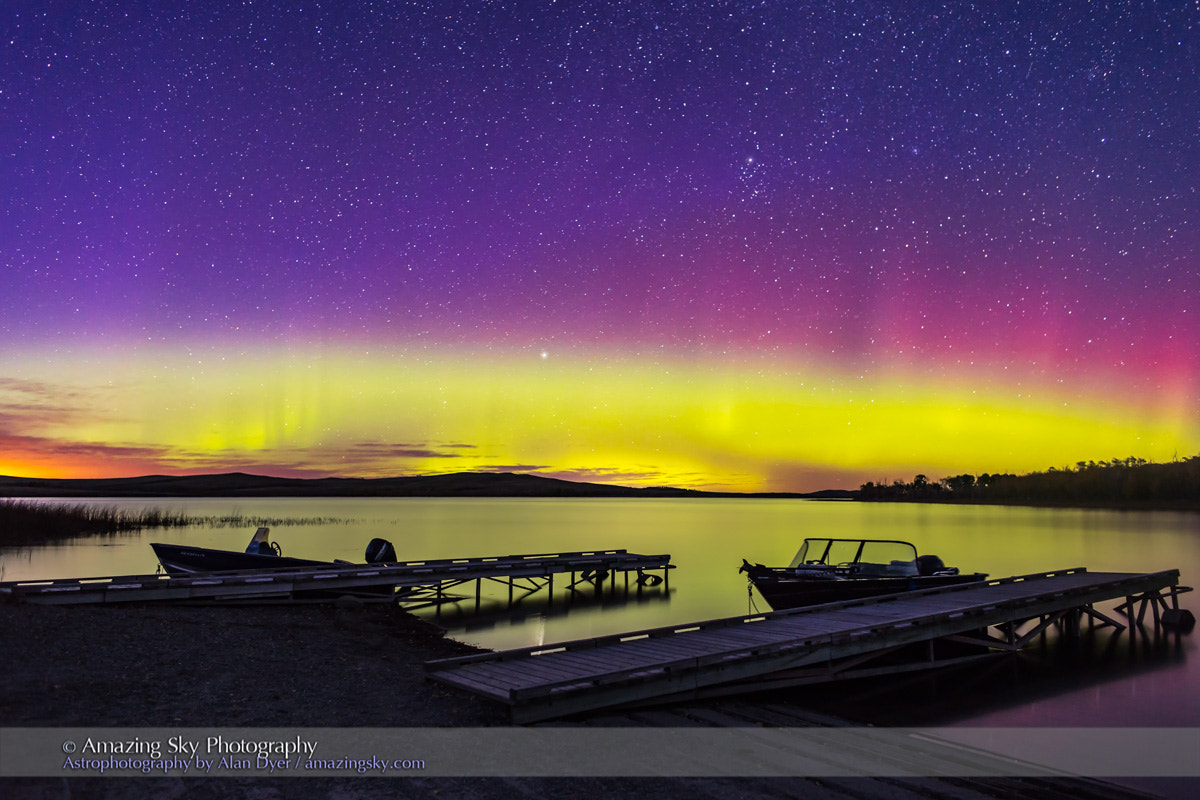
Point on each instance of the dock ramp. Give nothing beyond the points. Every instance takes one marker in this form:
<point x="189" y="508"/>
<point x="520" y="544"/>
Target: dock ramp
<point x="819" y="643"/>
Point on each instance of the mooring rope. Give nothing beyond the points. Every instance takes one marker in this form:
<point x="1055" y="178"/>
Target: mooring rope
<point x="752" y="606"/>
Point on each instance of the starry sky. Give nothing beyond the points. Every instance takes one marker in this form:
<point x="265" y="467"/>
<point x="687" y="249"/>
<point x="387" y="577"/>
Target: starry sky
<point x="730" y="245"/>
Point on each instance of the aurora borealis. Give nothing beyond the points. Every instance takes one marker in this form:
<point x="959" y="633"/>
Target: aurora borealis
<point x="748" y="246"/>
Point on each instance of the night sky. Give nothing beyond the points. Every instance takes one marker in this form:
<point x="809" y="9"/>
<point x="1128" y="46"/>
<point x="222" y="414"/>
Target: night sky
<point x="783" y="246"/>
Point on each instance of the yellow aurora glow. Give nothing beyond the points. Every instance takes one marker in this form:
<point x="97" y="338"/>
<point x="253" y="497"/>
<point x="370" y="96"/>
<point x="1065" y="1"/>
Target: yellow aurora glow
<point x="623" y="419"/>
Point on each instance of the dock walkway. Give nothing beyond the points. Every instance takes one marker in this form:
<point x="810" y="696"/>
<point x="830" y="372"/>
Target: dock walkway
<point x="806" y="645"/>
<point x="418" y="577"/>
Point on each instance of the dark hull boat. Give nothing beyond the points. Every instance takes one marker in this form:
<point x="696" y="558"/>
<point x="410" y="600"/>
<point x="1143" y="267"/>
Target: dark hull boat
<point x="182" y="559"/>
<point x="832" y="570"/>
<point x="263" y="554"/>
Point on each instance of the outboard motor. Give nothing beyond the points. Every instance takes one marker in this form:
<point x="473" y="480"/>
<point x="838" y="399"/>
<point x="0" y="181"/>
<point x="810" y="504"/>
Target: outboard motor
<point x="380" y="551"/>
<point x="929" y="565"/>
<point x="261" y="545"/>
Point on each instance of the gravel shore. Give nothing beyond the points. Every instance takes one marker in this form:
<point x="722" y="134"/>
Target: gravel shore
<point x="202" y="666"/>
<point x="321" y="666"/>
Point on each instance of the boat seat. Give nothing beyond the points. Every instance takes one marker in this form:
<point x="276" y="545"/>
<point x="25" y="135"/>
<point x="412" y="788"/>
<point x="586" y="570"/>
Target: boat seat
<point x="896" y="569"/>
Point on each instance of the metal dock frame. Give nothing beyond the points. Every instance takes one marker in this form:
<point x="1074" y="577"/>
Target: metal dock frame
<point x="532" y="573"/>
<point x="787" y="648"/>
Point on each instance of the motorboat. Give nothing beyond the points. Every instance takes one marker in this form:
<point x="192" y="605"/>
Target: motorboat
<point x="261" y="553"/>
<point x="830" y="570"/>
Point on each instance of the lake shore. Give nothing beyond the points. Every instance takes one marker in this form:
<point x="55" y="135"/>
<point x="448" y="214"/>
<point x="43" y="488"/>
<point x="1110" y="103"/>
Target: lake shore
<point x="204" y="666"/>
<point x="322" y="666"/>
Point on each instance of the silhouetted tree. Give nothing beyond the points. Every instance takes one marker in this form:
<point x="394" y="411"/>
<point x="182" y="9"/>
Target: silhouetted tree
<point x="1120" y="482"/>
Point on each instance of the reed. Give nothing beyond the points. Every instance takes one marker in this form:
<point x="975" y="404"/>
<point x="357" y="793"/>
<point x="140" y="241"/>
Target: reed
<point x="25" y="523"/>
<point x="243" y="521"/>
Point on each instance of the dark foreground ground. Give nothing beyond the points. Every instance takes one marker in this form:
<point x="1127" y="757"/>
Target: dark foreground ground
<point x="330" y="666"/>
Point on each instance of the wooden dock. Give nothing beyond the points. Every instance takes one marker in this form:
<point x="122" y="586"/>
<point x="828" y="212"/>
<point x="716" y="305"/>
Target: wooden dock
<point x="821" y="643"/>
<point x="391" y="581"/>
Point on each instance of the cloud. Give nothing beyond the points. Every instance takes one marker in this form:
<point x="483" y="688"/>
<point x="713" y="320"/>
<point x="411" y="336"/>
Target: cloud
<point x="28" y="408"/>
<point x="253" y="463"/>
<point x="21" y="386"/>
<point x="63" y="448"/>
<point x="360" y="459"/>
<point x="498" y="468"/>
<point x="609" y="475"/>
<point x="382" y="450"/>
<point x="784" y="476"/>
<point x="40" y="393"/>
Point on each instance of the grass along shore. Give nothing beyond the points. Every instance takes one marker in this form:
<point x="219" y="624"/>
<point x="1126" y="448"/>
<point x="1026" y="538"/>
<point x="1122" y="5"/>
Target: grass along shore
<point x="24" y="523"/>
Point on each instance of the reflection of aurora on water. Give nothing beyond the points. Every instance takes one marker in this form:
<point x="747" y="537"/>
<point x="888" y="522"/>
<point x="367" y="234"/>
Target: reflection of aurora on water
<point x="707" y="540"/>
<point x="526" y="619"/>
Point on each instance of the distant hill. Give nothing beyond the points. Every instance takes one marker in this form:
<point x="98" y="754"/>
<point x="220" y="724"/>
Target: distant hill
<point x="462" y="484"/>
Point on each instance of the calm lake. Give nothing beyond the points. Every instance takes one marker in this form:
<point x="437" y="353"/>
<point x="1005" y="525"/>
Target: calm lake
<point x="1099" y="681"/>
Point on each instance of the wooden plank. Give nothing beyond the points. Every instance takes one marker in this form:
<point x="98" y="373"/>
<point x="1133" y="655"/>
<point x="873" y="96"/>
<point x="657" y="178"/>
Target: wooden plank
<point x="814" y="626"/>
<point x="493" y="686"/>
<point x="712" y="639"/>
<point x="550" y="669"/>
<point x="726" y="640"/>
<point x="627" y="658"/>
<point x="608" y="660"/>
<point x="748" y="632"/>
<point x="532" y="675"/>
<point x="580" y="661"/>
<point x="654" y="651"/>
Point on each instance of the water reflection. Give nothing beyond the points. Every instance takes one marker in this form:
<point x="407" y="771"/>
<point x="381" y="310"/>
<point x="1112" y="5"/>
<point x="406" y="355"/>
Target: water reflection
<point x="466" y="617"/>
<point x="1103" y="677"/>
<point x="1105" y="684"/>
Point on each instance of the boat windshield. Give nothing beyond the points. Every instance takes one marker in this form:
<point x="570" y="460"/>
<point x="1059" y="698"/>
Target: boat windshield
<point x="854" y="551"/>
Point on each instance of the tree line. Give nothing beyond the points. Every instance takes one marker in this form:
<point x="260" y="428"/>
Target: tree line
<point x="1122" y="482"/>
